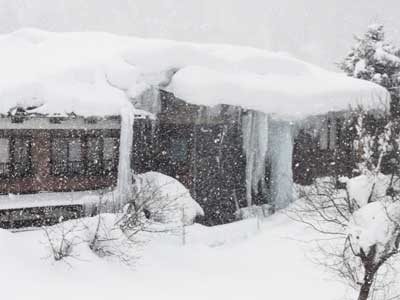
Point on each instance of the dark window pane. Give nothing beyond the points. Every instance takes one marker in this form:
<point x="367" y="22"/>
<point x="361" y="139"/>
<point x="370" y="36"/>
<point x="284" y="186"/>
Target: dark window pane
<point x="67" y="156"/>
<point x="179" y="150"/>
<point x="22" y="159"/>
<point x="75" y="162"/>
<point x="94" y="155"/>
<point x="60" y="156"/>
<point x="4" y="156"/>
<point x="110" y="150"/>
<point x="75" y="151"/>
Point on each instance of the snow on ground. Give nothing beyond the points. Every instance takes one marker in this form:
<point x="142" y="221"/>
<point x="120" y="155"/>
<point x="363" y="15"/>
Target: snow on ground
<point x="93" y="73"/>
<point x="233" y="261"/>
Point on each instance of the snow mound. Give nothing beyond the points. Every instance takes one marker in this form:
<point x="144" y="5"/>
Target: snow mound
<point x="92" y="73"/>
<point x="166" y="199"/>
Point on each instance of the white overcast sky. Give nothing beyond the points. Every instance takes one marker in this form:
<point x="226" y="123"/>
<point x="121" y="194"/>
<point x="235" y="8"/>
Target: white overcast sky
<point x="319" y="31"/>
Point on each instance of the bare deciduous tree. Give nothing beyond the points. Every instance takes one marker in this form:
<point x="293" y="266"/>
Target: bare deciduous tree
<point x="344" y="220"/>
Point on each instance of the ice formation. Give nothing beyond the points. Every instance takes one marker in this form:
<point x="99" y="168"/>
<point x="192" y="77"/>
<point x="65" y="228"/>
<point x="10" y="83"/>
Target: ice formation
<point x="280" y="155"/>
<point x="255" y="146"/>
<point x="124" y="183"/>
<point x="268" y="140"/>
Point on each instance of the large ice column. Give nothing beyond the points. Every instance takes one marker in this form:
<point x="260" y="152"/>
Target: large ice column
<point x="124" y="184"/>
<point x="280" y="155"/>
<point x="255" y="146"/>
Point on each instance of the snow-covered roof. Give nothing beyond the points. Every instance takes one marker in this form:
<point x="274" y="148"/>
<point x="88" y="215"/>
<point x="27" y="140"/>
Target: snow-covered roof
<point x="92" y="73"/>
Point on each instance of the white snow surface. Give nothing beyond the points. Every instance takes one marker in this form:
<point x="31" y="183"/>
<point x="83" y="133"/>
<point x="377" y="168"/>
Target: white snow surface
<point x="242" y="260"/>
<point x="93" y="73"/>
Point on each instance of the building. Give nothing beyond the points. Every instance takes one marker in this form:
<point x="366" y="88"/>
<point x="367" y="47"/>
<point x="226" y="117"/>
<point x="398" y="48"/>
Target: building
<point x="235" y="125"/>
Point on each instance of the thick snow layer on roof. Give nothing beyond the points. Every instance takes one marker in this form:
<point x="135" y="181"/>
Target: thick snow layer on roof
<point x="92" y="73"/>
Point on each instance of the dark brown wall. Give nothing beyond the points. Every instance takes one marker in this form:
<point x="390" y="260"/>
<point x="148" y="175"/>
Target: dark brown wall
<point x="41" y="178"/>
<point x="212" y="166"/>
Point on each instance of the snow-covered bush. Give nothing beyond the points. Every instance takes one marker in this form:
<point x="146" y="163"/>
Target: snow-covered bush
<point x="164" y="199"/>
<point x="101" y="236"/>
<point x="375" y="227"/>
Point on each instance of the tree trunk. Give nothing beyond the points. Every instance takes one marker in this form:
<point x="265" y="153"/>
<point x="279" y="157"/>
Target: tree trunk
<point x="366" y="286"/>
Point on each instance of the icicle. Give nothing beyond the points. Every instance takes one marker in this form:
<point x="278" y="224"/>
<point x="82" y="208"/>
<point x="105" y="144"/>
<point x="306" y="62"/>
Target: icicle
<point x="124" y="184"/>
<point x="148" y="100"/>
<point x="255" y="146"/>
<point x="281" y="153"/>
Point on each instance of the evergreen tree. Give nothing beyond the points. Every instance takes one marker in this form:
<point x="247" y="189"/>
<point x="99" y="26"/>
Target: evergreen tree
<point x="374" y="59"/>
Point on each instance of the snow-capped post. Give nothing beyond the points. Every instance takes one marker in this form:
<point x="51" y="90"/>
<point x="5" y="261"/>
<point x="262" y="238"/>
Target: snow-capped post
<point x="124" y="184"/>
<point x="258" y="222"/>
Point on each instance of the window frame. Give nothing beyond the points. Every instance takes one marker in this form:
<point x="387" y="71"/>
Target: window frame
<point x="86" y="168"/>
<point x="329" y="133"/>
<point x="6" y="165"/>
<point x="98" y="169"/>
<point x="13" y="160"/>
<point x="69" y="169"/>
<point x="114" y="159"/>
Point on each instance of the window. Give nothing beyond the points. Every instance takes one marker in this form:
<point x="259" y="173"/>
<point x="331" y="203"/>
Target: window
<point x="4" y="156"/>
<point x="100" y="156"/>
<point x="21" y="155"/>
<point x="67" y="156"/>
<point x="75" y="163"/>
<point x="94" y="162"/>
<point x="110" y="150"/>
<point x="179" y="149"/>
<point x="328" y="135"/>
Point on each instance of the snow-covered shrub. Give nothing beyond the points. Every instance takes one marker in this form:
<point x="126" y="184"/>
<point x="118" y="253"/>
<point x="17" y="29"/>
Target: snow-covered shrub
<point x="101" y="236"/>
<point x="164" y="199"/>
<point x="376" y="225"/>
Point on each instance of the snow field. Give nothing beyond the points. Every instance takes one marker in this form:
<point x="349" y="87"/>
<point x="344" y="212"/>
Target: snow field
<point x="235" y="261"/>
